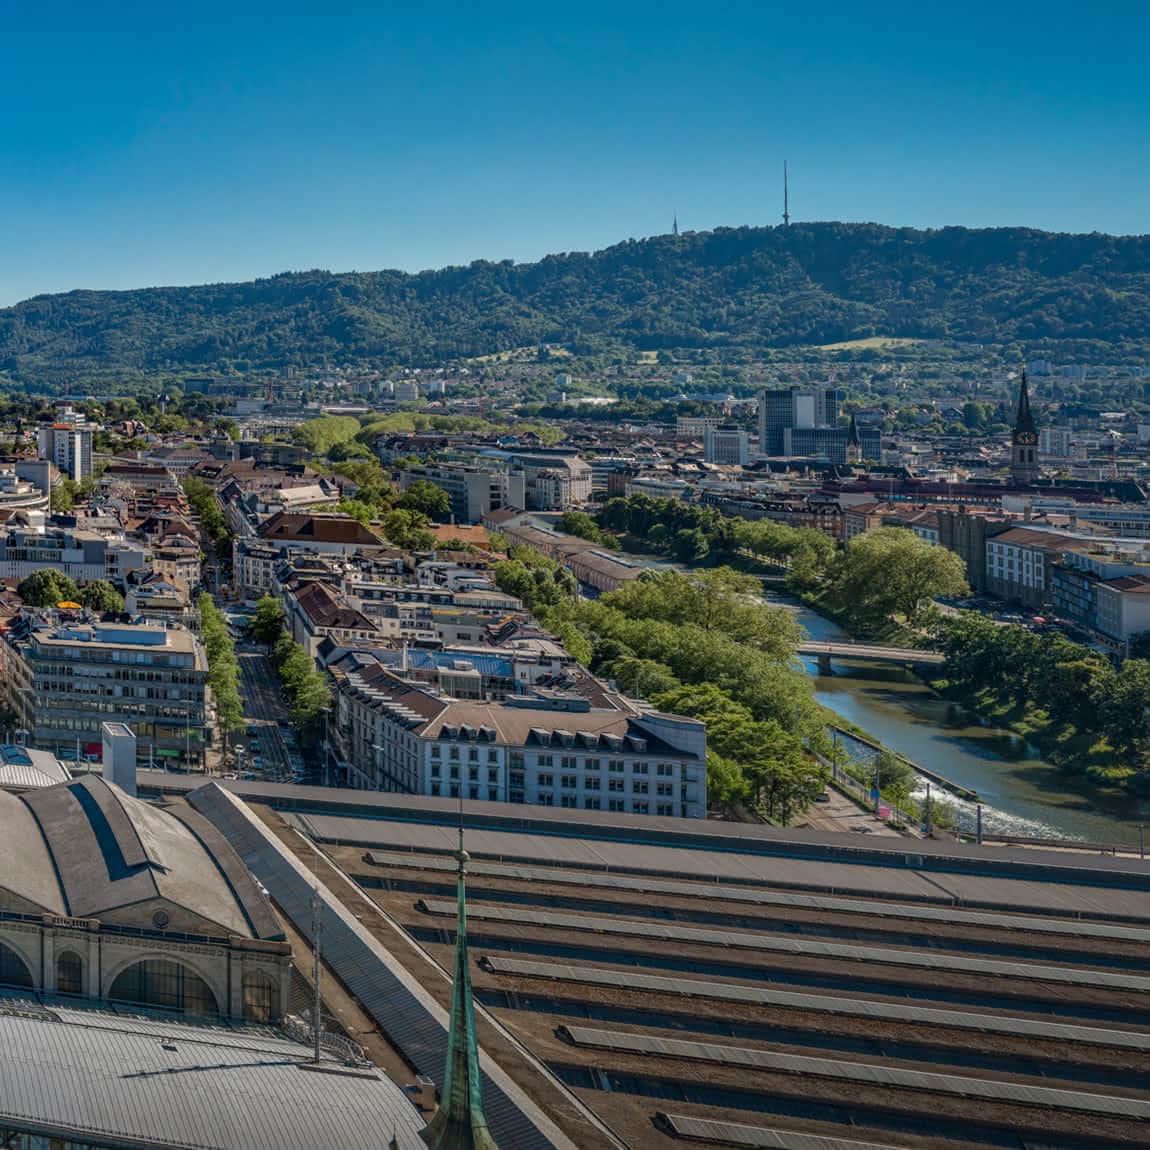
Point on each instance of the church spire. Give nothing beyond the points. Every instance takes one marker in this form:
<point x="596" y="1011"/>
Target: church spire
<point x="1023" y="420"/>
<point x="460" y="1122"/>
<point x="854" y="444"/>
<point x="1024" y="466"/>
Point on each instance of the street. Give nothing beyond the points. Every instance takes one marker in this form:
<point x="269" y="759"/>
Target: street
<point x="841" y="814"/>
<point x="263" y="710"/>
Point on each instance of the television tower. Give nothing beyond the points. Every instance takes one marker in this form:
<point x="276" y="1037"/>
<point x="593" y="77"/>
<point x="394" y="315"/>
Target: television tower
<point x="675" y="225"/>
<point x="786" y="198"/>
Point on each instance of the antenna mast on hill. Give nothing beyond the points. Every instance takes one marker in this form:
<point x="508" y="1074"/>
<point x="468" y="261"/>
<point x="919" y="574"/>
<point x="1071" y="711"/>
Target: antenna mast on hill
<point x="786" y="198"/>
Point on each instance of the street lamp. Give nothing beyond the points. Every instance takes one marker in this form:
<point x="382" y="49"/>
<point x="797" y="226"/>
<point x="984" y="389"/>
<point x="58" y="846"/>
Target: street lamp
<point x="239" y="749"/>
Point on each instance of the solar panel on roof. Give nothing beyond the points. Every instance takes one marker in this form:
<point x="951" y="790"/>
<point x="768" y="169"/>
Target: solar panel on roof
<point x="818" y="1003"/>
<point x="893" y="1076"/>
<point x="1073" y="976"/>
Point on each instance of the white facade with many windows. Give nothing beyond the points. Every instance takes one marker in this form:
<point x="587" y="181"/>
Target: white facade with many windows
<point x="600" y="752"/>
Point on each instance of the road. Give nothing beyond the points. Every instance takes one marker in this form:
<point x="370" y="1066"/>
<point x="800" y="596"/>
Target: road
<point x="263" y="710"/>
<point x="841" y="814"/>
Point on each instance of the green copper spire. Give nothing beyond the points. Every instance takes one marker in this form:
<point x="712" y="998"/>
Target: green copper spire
<point x="460" y="1123"/>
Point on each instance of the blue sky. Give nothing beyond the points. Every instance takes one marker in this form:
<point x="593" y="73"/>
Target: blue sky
<point x="185" y="143"/>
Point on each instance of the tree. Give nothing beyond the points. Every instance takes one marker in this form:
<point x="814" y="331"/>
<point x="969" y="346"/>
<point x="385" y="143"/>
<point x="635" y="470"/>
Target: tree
<point x="268" y="622"/>
<point x="427" y="499"/>
<point x="46" y="588"/>
<point x="102" y="597"/>
<point x="223" y="670"/>
<point x="408" y="529"/>
<point x="891" y="571"/>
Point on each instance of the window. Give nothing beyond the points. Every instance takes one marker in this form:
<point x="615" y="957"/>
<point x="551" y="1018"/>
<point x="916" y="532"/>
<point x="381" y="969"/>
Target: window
<point x="546" y="799"/>
<point x="640" y="808"/>
<point x="435" y="789"/>
<point x="168" y="985"/>
<point x="568" y="801"/>
<point x="473" y="754"/>
<point x="590" y="764"/>
<point x="666" y="789"/>
<point x="640" y="768"/>
<point x="516" y="778"/>
<point x="261" y="998"/>
<point x="455" y="772"/>
<point x="492" y="756"/>
<point x="544" y="760"/>
<point x="570" y="782"/>
<point x="666" y="769"/>
<point x="591" y="784"/>
<point x="667" y="809"/>
<point x="639" y="787"/>
<point x="69" y="973"/>
<point x="615" y="785"/>
<point x="615" y="766"/>
<point x="435" y="770"/>
<point x="474" y="791"/>
<point x="493" y="774"/>
<point x="567" y="763"/>
<point x="518" y="797"/>
<point x="592" y="804"/>
<point x="615" y="804"/>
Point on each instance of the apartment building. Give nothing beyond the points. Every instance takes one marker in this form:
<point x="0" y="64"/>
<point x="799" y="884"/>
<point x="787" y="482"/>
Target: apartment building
<point x="597" y="752"/>
<point x="81" y="555"/>
<point x="67" y="442"/>
<point x="63" y="680"/>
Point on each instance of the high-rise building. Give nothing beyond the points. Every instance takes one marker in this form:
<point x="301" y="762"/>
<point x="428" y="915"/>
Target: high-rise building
<point x="804" y="408"/>
<point x="68" y="444"/>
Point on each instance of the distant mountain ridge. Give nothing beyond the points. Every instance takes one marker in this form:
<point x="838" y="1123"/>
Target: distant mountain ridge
<point x="732" y="287"/>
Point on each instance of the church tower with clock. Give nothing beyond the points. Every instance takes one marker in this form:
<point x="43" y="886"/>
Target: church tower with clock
<point x="1024" y="441"/>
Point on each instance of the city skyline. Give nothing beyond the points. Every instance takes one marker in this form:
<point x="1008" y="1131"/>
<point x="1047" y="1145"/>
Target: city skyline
<point x="241" y="143"/>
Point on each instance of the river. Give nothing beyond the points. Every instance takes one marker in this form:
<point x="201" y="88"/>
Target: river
<point x="1021" y="794"/>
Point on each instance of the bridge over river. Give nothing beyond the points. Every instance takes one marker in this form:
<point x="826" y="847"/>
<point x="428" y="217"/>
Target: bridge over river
<point x="872" y="652"/>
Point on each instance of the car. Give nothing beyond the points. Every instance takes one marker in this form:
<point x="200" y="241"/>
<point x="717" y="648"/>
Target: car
<point x="252" y="730"/>
<point x="825" y="797"/>
<point x="257" y="762"/>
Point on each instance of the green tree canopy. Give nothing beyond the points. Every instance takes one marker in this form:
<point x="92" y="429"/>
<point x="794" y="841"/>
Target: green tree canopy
<point x="101" y="596"/>
<point x="891" y="572"/>
<point x="46" y="588"/>
<point x="427" y="499"/>
<point x="268" y="622"/>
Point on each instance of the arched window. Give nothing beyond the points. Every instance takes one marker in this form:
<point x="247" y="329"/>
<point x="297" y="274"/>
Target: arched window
<point x="69" y="973"/>
<point x="13" y="971"/>
<point x="261" y="998"/>
<point x="164" y="985"/>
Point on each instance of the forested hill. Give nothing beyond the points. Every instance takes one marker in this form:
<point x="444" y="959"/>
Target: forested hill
<point x="734" y="287"/>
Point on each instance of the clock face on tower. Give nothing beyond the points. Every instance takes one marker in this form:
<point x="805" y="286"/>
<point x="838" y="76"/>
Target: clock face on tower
<point x="1026" y="438"/>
